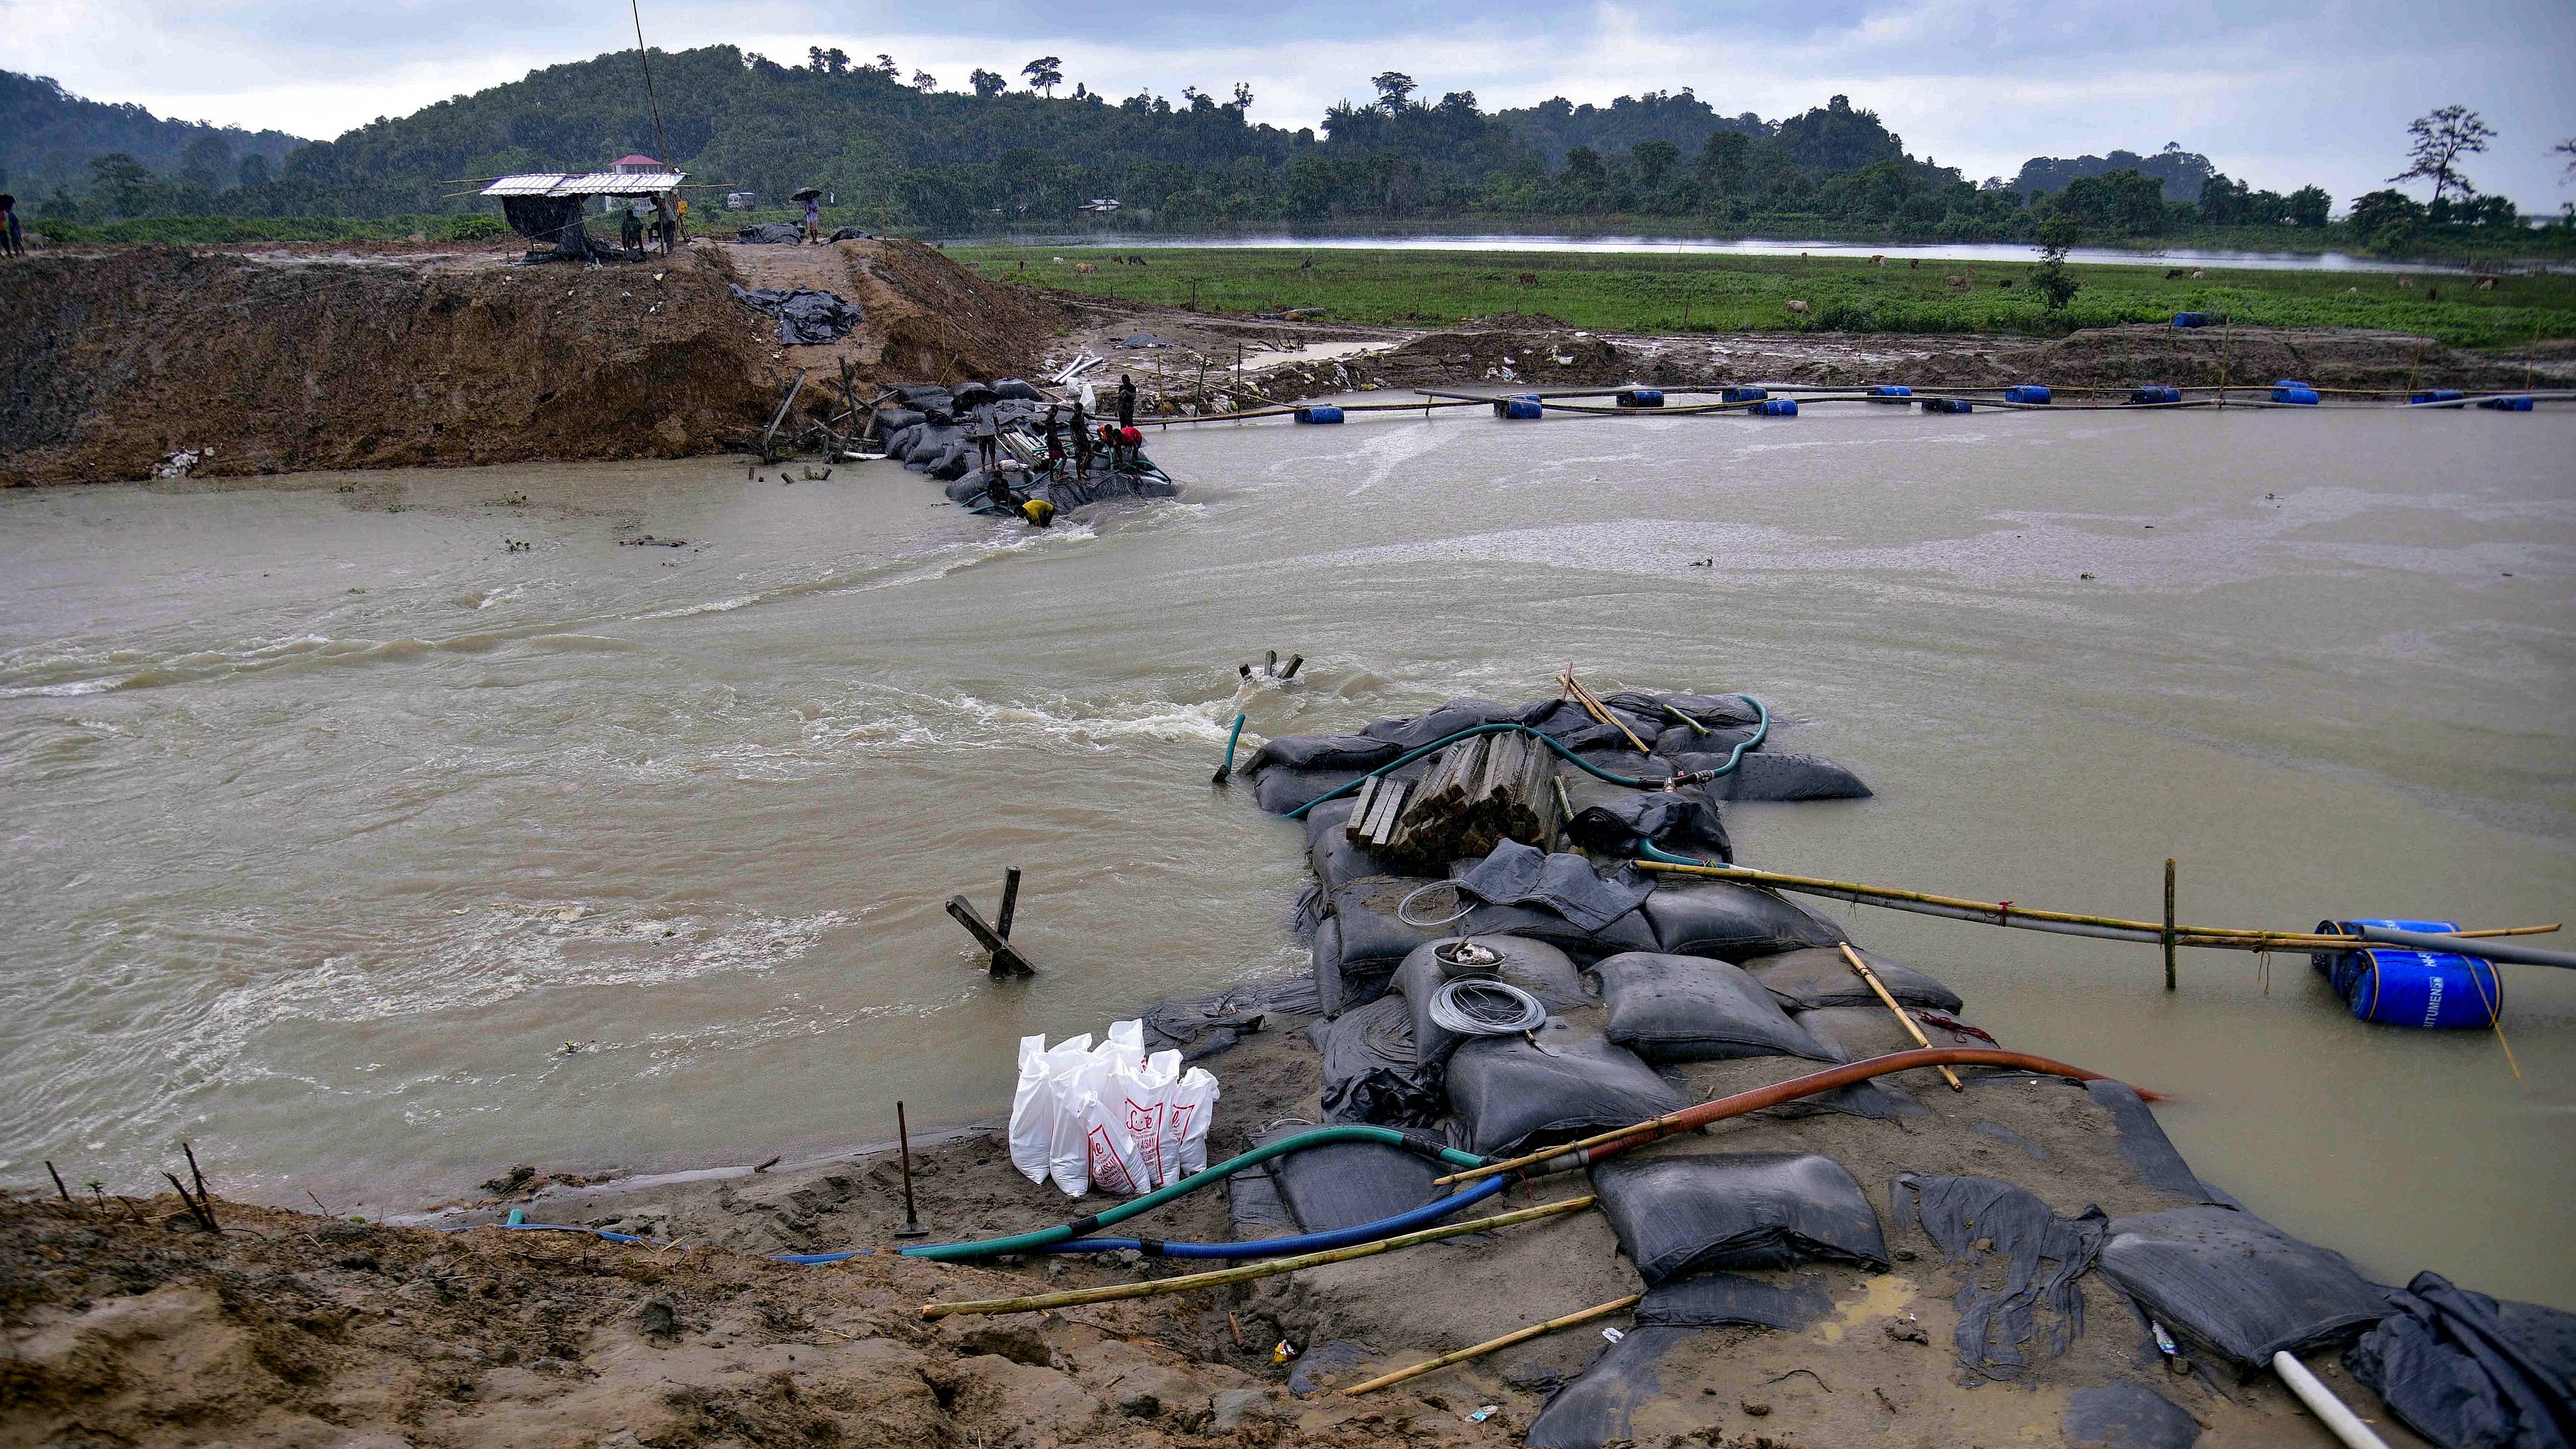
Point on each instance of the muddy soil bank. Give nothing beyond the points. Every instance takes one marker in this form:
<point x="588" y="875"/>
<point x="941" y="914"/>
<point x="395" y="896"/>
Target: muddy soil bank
<point x="290" y="1323"/>
<point x="272" y="360"/>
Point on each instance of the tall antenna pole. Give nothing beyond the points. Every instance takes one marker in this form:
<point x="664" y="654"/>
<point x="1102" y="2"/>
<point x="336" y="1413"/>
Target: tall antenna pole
<point x="646" y="56"/>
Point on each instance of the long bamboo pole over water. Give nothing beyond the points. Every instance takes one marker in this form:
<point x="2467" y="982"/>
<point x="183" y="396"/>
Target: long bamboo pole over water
<point x="2064" y="923"/>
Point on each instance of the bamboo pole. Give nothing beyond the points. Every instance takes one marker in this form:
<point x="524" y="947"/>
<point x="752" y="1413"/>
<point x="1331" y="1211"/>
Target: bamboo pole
<point x="2008" y="914"/>
<point x="2169" y="923"/>
<point x="1192" y="1281"/>
<point x="1517" y="1335"/>
<point x="1594" y="708"/>
<point x="1904" y="1018"/>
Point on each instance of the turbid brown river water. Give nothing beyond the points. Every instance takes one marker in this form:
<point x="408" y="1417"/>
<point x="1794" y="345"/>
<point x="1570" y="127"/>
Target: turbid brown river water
<point x="329" y="825"/>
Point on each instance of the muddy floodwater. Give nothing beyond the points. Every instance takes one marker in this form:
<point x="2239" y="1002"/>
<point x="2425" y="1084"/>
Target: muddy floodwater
<point x="333" y="820"/>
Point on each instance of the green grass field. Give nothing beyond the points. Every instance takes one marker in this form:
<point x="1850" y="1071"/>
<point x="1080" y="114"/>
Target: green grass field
<point x="1646" y="293"/>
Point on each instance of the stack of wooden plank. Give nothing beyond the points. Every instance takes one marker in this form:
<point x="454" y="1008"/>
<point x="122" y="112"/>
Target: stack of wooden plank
<point x="1477" y="793"/>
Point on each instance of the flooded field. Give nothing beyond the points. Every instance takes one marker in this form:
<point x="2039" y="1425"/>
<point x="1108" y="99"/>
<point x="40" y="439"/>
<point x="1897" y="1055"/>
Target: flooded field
<point x="373" y="854"/>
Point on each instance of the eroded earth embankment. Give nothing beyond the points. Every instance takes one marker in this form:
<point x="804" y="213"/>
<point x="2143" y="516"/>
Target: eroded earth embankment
<point x="272" y="360"/>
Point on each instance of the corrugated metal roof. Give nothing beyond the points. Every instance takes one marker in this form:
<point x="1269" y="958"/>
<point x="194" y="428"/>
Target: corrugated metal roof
<point x="586" y="183"/>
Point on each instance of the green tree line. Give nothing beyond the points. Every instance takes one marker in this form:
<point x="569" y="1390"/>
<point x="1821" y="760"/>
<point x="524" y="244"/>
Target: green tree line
<point x="993" y="157"/>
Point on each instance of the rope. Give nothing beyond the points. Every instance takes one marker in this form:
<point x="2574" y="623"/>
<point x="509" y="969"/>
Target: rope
<point x="1482" y="1006"/>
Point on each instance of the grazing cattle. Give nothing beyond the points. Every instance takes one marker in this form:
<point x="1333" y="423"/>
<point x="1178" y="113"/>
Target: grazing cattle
<point x="2486" y="284"/>
<point x="2406" y="283"/>
<point x="1878" y="261"/>
<point x="1529" y="279"/>
<point x="1798" y="309"/>
<point x="1955" y="282"/>
<point x="2197" y="272"/>
<point x="1084" y="268"/>
<point x="2006" y="282"/>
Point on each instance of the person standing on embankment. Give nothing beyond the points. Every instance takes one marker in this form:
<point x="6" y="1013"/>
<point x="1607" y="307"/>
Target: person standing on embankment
<point x="12" y="241"/>
<point x="1126" y="401"/>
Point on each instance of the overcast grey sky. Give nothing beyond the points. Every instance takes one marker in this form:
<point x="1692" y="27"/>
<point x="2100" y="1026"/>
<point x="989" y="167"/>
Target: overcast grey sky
<point x="2276" y="94"/>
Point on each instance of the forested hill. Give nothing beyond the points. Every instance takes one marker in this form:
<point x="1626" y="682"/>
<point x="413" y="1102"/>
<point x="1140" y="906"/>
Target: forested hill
<point x="990" y="155"/>
<point x="48" y="136"/>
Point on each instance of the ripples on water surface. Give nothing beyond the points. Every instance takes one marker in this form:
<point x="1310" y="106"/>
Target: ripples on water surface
<point x="330" y="825"/>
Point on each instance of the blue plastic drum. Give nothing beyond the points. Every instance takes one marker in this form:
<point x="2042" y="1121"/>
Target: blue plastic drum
<point x="1778" y="407"/>
<point x="1319" y="413"/>
<point x="2029" y="392"/>
<point x="2427" y="990"/>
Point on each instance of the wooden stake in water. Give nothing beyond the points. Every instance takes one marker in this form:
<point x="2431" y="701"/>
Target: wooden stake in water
<point x="2169" y="923"/>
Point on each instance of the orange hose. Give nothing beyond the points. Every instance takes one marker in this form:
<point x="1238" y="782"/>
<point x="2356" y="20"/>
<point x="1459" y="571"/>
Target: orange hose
<point x="1609" y="1144"/>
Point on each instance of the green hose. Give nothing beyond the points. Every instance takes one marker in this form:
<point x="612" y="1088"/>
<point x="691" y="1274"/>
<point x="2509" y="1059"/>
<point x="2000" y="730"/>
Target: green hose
<point x="1063" y="1232"/>
<point x="1761" y="730"/>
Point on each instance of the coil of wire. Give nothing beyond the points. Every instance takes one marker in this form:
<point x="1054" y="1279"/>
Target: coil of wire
<point x="1483" y="1006"/>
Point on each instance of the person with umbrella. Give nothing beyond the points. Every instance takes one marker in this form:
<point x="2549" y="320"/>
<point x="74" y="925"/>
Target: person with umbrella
<point x="813" y="199"/>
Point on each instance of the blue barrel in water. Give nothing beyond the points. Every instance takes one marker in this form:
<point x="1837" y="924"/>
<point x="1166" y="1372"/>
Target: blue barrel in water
<point x="2505" y="404"/>
<point x="2438" y="395"/>
<point x="2431" y="990"/>
<point x="2155" y="394"/>
<point x="2296" y="394"/>
<point x="1319" y="413"/>
<point x="1745" y="394"/>
<point x="1778" y="407"/>
<point x="1640" y="397"/>
<point x="2193" y="319"/>
<point x="1892" y="393"/>
<point x="2029" y="392"/>
<point x="1523" y="407"/>
<point x="1948" y="405"/>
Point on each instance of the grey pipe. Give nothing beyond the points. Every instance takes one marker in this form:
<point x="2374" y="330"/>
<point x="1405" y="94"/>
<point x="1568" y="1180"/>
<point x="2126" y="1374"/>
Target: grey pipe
<point x="2487" y="948"/>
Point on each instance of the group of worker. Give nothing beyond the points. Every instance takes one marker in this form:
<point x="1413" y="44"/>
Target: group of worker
<point x="661" y="217"/>
<point x="1067" y="429"/>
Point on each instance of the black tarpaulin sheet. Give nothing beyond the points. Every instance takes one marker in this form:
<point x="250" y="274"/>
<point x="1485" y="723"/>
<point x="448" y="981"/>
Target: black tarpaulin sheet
<point x="1345" y="1184"/>
<point x="807" y="316"/>
<point x="1506" y="1092"/>
<point x="2141" y="1140"/>
<point x="1414" y="731"/>
<point x="1696" y="1009"/>
<point x="1373" y="933"/>
<point x="2471" y="1372"/>
<point x="1350" y="753"/>
<point x="1710" y="710"/>
<point x="770" y="233"/>
<point x="1534" y="966"/>
<point x="2237" y="1284"/>
<point x="1612" y="819"/>
<point x="1731" y="922"/>
<point x="1599" y="1407"/>
<point x="2126" y="1416"/>
<point x="1518" y="875"/>
<point x="1678" y="1215"/>
<point x="1764" y="776"/>
<point x="556" y="219"/>
<point x="1821" y="976"/>
<point x="1369" y="1071"/>
<point x="1855" y="1032"/>
<point x="2014" y="1257"/>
